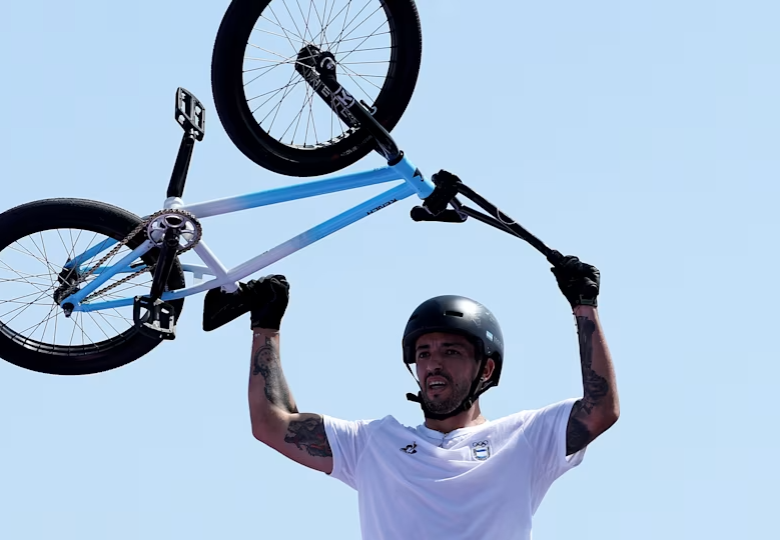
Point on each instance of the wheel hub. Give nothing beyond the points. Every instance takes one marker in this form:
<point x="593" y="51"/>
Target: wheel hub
<point x="68" y="279"/>
<point x="313" y="64"/>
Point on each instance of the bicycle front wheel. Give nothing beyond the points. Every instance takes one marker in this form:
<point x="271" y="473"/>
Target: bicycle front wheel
<point x="273" y="115"/>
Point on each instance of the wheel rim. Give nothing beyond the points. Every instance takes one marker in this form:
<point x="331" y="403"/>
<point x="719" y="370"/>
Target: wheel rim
<point x="284" y="106"/>
<point x="33" y="273"/>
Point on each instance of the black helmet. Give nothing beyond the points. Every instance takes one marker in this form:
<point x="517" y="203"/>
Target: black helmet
<point x="463" y="316"/>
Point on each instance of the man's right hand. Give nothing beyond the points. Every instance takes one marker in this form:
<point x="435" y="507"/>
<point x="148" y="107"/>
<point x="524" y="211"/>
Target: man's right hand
<point x="267" y="298"/>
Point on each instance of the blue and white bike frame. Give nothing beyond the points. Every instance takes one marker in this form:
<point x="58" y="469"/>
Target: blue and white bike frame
<point x="412" y="183"/>
<point x="437" y="194"/>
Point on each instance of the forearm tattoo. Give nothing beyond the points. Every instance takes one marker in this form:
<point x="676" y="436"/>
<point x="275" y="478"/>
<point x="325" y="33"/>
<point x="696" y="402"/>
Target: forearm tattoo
<point x="266" y="363"/>
<point x="309" y="435"/>
<point x="595" y="389"/>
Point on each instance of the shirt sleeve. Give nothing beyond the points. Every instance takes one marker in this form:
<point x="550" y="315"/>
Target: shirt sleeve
<point x="546" y="433"/>
<point x="347" y="440"/>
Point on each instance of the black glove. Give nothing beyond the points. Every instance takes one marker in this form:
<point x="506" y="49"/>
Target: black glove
<point x="579" y="282"/>
<point x="267" y="299"/>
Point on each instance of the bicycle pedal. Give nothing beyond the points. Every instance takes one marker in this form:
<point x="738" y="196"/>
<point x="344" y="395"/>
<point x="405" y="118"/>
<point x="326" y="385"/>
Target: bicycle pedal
<point x="155" y="319"/>
<point x="190" y="113"/>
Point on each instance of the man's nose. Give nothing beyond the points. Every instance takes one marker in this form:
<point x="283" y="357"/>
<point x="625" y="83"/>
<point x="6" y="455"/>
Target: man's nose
<point x="436" y="360"/>
<point x="433" y="370"/>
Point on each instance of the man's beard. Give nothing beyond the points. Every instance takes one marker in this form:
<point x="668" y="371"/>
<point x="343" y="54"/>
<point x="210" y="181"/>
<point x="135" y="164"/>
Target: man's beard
<point x="457" y="394"/>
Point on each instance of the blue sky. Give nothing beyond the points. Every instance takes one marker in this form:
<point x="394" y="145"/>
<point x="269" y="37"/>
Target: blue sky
<point x="642" y="137"/>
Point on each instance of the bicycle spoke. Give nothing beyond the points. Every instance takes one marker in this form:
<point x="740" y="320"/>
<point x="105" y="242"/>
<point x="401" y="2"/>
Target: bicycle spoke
<point x="23" y="280"/>
<point x="306" y="18"/>
<point x="313" y="119"/>
<point x="361" y="22"/>
<point x="27" y="280"/>
<point x="288" y="88"/>
<point x="24" y="306"/>
<point x="283" y="29"/>
<point x="357" y="83"/>
<point x="84" y="334"/>
<point x="296" y="121"/>
<point x="26" y="251"/>
<point x="94" y="320"/>
<point x="276" y="91"/>
<point x="330" y="19"/>
<point x="301" y="35"/>
<point x="309" y="95"/>
<point x="347" y="24"/>
<point x="52" y="315"/>
<point x="270" y="69"/>
<point x="356" y="63"/>
<point x="285" y="58"/>
<point x="35" y="326"/>
<point x="375" y="34"/>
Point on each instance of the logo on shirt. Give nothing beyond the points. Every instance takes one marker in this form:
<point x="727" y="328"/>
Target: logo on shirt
<point x="480" y="450"/>
<point x="410" y="448"/>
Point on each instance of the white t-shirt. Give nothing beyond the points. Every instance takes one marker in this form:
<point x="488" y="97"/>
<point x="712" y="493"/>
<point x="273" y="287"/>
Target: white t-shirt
<point x="484" y="481"/>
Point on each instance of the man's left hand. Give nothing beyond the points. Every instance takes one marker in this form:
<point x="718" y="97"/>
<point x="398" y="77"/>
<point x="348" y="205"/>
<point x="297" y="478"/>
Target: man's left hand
<point x="579" y="282"/>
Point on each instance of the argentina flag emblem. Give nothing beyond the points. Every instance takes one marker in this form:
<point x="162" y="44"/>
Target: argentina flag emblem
<point x="480" y="450"/>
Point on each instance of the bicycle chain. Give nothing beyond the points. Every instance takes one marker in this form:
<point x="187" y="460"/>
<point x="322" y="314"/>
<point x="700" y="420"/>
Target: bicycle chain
<point x="141" y="226"/>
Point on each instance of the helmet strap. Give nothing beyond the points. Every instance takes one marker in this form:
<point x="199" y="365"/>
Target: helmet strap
<point x="477" y="389"/>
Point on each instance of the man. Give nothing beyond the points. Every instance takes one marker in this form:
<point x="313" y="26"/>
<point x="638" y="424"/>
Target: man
<point x="458" y="475"/>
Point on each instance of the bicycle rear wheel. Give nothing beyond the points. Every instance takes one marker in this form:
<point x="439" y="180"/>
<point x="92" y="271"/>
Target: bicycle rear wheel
<point x="272" y="114"/>
<point x="37" y="241"/>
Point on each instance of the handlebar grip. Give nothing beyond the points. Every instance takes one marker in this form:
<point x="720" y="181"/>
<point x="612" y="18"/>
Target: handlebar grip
<point x="419" y="213"/>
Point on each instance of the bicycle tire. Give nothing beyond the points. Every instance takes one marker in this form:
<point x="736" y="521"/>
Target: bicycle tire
<point x="255" y="143"/>
<point x="95" y="217"/>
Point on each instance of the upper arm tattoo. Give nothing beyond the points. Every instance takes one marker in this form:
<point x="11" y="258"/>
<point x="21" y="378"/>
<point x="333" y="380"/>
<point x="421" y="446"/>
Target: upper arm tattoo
<point x="308" y="432"/>
<point x="577" y="433"/>
<point x="265" y="362"/>
<point x="309" y="435"/>
<point x="595" y="388"/>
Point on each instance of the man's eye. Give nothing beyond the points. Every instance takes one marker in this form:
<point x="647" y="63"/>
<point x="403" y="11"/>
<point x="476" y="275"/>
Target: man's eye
<point x="453" y="351"/>
<point x="422" y="355"/>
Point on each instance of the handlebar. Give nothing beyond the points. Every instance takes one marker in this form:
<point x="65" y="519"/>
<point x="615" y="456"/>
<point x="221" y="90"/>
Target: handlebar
<point x="448" y="186"/>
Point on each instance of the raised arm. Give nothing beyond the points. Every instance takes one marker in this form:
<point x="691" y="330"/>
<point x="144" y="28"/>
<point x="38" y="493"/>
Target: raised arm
<point x="599" y="407"/>
<point x="274" y="415"/>
<point x="272" y="410"/>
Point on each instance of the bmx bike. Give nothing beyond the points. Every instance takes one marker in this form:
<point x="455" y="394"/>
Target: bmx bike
<point x="87" y="287"/>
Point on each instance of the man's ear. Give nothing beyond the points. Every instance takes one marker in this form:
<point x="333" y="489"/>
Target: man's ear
<point x="490" y="366"/>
